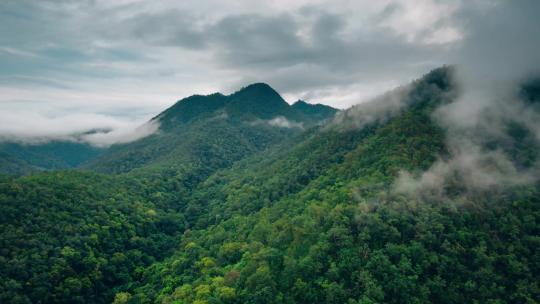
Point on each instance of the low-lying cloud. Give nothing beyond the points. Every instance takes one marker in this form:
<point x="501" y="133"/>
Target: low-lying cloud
<point x="121" y="135"/>
<point x="490" y="122"/>
<point x="278" y="122"/>
<point x="283" y="122"/>
<point x="376" y="110"/>
<point x="95" y="129"/>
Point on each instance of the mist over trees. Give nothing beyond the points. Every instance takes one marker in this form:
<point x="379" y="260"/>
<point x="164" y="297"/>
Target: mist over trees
<point x="377" y="204"/>
<point x="406" y="172"/>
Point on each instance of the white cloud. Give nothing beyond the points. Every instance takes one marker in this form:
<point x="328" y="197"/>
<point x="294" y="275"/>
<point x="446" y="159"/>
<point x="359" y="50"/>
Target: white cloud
<point x="378" y="109"/>
<point x="500" y="51"/>
<point x="283" y="122"/>
<point x="31" y="127"/>
<point x="121" y="135"/>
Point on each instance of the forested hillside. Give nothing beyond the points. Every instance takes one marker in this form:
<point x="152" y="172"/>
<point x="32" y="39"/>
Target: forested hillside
<point x="201" y="134"/>
<point x="32" y="157"/>
<point x="227" y="204"/>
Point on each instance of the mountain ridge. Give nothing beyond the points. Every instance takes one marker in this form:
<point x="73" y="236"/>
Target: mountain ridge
<point x="255" y="117"/>
<point x="254" y="101"/>
<point x="219" y="210"/>
<point x="255" y="105"/>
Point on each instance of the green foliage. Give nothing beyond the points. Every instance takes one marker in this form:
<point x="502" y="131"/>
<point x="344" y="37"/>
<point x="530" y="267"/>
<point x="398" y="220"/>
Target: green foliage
<point x="68" y="237"/>
<point x="307" y="217"/>
<point x="20" y="159"/>
<point x="201" y="134"/>
<point x="317" y="112"/>
<point x="12" y="165"/>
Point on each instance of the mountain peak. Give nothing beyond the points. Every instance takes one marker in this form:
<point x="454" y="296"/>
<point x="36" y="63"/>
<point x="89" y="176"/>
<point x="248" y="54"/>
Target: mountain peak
<point x="258" y="86"/>
<point x="190" y="108"/>
<point x="300" y="103"/>
<point x="261" y="100"/>
<point x="255" y="101"/>
<point x="258" y="89"/>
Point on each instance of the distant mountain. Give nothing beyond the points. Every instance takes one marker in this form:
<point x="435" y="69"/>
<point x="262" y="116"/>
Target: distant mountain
<point x="12" y="165"/>
<point x="259" y="100"/>
<point x="252" y="118"/>
<point x="52" y="155"/>
<point x="190" y="108"/>
<point x="317" y="112"/>
<point x="256" y="101"/>
<point x="213" y="131"/>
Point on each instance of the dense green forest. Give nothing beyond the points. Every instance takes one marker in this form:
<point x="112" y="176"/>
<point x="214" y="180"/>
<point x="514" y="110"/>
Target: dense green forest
<point x="20" y="158"/>
<point x="227" y="205"/>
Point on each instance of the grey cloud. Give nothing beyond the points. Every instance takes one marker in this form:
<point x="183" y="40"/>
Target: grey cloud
<point x="263" y="45"/>
<point x="326" y="52"/>
<point x="293" y="64"/>
<point x="266" y="47"/>
<point x="500" y="51"/>
<point x="263" y="42"/>
<point x="167" y="28"/>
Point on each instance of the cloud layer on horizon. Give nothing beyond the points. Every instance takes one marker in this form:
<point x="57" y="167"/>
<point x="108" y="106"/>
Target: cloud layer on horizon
<point x="129" y="59"/>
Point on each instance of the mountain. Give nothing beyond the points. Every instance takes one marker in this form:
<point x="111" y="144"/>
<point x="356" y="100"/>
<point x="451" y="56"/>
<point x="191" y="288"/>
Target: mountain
<point x="253" y="102"/>
<point x="367" y="208"/>
<point x="252" y="118"/>
<point x="318" y="112"/>
<point x="260" y="101"/>
<point x="51" y="155"/>
<point x="205" y="133"/>
<point x="322" y="221"/>
<point x="190" y="108"/>
<point x="14" y="166"/>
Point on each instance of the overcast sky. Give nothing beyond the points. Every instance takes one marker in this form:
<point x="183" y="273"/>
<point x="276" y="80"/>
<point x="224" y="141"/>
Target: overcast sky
<point x="69" y="66"/>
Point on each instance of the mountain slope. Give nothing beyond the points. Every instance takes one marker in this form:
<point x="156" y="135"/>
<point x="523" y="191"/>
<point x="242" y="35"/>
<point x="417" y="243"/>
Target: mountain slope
<point x="319" y="216"/>
<point x="210" y="132"/>
<point x="14" y="166"/>
<point x="73" y="237"/>
<point x="317" y="112"/>
<point x="190" y="108"/>
<point x="260" y="101"/>
<point x="341" y="234"/>
<point x="51" y="155"/>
